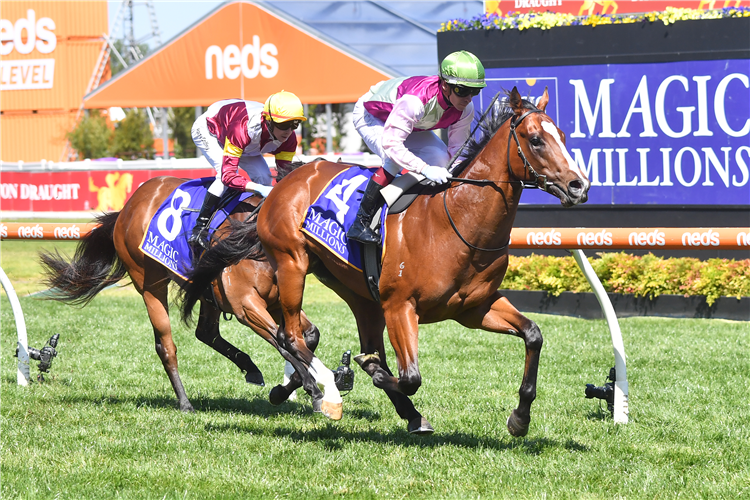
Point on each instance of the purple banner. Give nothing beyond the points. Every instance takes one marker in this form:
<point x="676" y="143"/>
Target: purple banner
<point x="663" y="133"/>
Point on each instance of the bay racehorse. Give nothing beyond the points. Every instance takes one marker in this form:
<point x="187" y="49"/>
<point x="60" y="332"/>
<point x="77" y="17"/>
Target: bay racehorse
<point x="246" y="288"/>
<point x="444" y="257"/>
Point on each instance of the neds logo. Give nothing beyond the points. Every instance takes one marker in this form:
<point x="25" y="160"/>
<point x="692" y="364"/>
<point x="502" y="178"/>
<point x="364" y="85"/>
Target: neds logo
<point x="551" y="237"/>
<point x="654" y="238"/>
<point x="602" y="238"/>
<point x="38" y="35"/>
<point x="706" y="239"/>
<point x="232" y="61"/>
<point x="31" y="231"/>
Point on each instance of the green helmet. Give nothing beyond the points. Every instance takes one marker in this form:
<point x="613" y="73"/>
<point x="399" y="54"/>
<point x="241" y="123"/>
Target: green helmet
<point x="463" y="68"/>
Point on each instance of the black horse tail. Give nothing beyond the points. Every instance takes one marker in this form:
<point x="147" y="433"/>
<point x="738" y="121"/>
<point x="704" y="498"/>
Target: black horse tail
<point x="241" y="243"/>
<point x="95" y="265"/>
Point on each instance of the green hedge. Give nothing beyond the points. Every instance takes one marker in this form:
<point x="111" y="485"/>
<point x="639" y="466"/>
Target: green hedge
<point x="644" y="276"/>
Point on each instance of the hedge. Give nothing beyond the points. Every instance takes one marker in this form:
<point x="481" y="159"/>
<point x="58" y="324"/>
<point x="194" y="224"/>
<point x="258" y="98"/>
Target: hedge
<point x="643" y="276"/>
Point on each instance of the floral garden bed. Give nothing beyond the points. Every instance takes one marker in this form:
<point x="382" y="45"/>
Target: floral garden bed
<point x="637" y="286"/>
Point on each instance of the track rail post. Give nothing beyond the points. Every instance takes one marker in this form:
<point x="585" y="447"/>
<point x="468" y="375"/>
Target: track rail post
<point x="621" y="375"/>
<point x="23" y="344"/>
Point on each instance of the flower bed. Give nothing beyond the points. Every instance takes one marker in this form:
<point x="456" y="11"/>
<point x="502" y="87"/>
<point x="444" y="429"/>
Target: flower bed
<point x="547" y="20"/>
<point x="648" y="276"/>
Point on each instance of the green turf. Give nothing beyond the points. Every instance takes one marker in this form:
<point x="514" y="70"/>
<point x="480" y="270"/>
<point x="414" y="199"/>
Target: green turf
<point x="104" y="424"/>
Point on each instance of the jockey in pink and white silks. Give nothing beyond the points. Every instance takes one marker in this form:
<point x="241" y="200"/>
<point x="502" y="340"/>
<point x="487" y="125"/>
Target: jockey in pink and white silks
<point x="396" y="119"/>
<point x="234" y="134"/>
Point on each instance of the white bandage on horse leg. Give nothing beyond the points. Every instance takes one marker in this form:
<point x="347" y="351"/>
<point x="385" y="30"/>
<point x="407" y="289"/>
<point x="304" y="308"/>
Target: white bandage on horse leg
<point x="324" y="376"/>
<point x="288" y="372"/>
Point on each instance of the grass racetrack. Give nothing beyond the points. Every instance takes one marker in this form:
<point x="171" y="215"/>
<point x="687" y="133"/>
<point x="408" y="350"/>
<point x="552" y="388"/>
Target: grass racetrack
<point x="104" y="424"/>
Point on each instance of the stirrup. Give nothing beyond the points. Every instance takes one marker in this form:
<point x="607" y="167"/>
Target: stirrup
<point x="199" y="240"/>
<point x="364" y="235"/>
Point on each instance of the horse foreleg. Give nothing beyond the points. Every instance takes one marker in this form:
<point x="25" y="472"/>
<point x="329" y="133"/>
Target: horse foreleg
<point x="155" y="296"/>
<point x="207" y="332"/>
<point x="403" y="332"/>
<point x="497" y="314"/>
<point x="372" y="358"/>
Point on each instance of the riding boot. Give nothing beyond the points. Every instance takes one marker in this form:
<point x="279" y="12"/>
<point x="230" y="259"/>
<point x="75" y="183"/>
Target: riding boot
<point x="361" y="230"/>
<point x="200" y="231"/>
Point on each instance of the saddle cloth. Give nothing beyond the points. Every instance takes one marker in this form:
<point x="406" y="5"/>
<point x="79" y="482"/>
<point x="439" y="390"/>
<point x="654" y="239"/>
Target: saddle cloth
<point x="166" y="238"/>
<point x="334" y="211"/>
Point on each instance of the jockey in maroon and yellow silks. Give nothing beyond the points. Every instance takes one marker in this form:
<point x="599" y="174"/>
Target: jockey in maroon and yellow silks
<point x="234" y="134"/>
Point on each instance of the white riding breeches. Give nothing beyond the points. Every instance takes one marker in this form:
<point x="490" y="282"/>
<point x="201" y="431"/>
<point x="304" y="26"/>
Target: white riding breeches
<point x="423" y="144"/>
<point x="255" y="165"/>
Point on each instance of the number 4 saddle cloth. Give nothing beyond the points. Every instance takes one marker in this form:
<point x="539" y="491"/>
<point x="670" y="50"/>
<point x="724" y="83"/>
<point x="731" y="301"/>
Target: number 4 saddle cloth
<point x="166" y="238"/>
<point x="334" y="211"/>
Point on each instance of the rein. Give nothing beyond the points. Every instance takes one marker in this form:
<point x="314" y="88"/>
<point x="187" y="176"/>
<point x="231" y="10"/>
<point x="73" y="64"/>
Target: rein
<point x="539" y="182"/>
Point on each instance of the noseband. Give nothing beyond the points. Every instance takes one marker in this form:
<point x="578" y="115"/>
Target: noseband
<point x="539" y="181"/>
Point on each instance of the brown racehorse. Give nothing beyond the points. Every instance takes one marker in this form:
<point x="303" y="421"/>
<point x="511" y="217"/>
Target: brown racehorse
<point x="444" y="257"/>
<point x="246" y="289"/>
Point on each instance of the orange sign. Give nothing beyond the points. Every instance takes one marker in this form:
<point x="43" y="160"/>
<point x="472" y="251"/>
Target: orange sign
<point x="616" y="238"/>
<point x="239" y="51"/>
<point x="591" y="7"/>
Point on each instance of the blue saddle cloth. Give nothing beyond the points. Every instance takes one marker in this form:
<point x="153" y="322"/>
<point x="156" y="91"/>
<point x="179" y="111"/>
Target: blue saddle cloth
<point x="334" y="211"/>
<point x="166" y="238"/>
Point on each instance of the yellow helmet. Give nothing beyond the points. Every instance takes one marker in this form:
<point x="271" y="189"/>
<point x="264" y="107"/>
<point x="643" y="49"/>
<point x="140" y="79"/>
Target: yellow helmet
<point x="283" y="107"/>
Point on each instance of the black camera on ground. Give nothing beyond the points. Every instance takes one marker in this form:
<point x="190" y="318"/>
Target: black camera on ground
<point x="344" y="375"/>
<point x="45" y="355"/>
<point x="605" y="392"/>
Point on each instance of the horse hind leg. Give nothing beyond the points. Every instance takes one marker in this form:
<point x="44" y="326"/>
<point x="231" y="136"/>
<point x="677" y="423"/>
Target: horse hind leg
<point x="207" y="332"/>
<point x="155" y="296"/>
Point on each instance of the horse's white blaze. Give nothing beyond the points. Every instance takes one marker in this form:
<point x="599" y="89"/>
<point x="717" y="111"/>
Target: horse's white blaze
<point x="551" y="129"/>
<point x="324" y="376"/>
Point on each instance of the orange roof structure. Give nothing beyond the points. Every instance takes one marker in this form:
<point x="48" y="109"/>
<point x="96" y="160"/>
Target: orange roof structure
<point x="240" y="50"/>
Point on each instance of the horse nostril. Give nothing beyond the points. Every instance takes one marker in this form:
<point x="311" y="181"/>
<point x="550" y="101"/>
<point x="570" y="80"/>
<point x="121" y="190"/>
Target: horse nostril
<point x="575" y="187"/>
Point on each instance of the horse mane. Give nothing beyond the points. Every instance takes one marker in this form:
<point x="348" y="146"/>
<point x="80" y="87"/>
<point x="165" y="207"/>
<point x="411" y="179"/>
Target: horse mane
<point x="241" y="243"/>
<point x="493" y="120"/>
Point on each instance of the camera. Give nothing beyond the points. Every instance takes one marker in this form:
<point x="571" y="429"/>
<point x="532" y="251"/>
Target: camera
<point x="45" y="355"/>
<point x="344" y="375"/>
<point x="605" y="392"/>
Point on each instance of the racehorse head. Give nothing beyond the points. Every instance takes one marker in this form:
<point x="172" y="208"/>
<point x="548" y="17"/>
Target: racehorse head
<point x="532" y="146"/>
<point x="537" y="153"/>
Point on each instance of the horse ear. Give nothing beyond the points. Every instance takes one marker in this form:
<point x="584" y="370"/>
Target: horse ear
<point x="514" y="100"/>
<point x="544" y="100"/>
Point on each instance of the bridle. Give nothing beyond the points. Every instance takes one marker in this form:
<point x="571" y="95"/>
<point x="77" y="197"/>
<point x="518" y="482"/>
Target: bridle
<point x="539" y="181"/>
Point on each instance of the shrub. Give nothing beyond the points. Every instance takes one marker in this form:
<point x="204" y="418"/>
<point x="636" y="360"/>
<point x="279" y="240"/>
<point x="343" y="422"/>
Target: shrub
<point x="646" y="276"/>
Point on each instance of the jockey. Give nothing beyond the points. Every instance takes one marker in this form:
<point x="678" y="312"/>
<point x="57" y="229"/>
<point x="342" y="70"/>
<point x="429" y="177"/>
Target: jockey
<point x="234" y="134"/>
<point x="396" y="118"/>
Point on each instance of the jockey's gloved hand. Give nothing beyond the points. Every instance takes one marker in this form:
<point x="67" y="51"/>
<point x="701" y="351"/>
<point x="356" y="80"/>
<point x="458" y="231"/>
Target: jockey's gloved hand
<point x="438" y="175"/>
<point x="254" y="187"/>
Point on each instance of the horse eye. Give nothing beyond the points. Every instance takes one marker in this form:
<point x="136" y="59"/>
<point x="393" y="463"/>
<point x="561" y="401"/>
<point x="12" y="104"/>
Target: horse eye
<point x="536" y="141"/>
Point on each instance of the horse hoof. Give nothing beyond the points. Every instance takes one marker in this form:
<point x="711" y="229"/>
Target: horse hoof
<point x="334" y="411"/>
<point x="277" y="395"/>
<point x="255" y="378"/>
<point x="516" y="427"/>
<point x="420" y="426"/>
<point x="187" y="408"/>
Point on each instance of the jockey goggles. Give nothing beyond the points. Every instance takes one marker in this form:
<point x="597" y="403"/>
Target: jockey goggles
<point x="462" y="91"/>
<point x="291" y="124"/>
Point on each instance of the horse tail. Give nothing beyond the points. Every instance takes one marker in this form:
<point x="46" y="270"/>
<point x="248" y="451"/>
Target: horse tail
<point x="242" y="243"/>
<point x="95" y="265"/>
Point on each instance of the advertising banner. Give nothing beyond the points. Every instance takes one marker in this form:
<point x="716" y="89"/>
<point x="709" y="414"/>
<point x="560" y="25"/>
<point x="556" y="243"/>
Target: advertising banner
<point x="79" y="190"/>
<point x="673" y="133"/>
<point x="611" y="7"/>
<point x="240" y="50"/>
